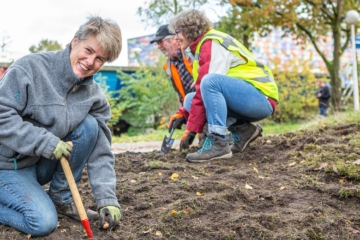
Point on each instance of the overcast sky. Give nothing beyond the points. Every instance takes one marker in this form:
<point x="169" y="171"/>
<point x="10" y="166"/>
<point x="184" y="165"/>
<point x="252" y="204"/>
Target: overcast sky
<point x="26" y="22"/>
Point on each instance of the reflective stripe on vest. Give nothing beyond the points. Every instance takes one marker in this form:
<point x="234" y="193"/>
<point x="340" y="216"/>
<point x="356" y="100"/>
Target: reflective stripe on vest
<point x="254" y="72"/>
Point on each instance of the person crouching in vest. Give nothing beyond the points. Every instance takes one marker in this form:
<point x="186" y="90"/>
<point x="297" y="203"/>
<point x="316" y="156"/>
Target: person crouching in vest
<point x="179" y="70"/>
<point x="230" y="83"/>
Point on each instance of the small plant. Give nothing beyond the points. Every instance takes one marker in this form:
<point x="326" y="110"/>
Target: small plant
<point x="155" y="164"/>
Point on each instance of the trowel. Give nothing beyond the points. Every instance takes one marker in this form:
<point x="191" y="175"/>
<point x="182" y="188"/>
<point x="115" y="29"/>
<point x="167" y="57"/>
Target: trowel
<point x="167" y="142"/>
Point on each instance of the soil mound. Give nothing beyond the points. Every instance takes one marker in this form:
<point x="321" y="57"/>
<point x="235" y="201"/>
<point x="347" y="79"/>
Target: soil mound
<point x="302" y="185"/>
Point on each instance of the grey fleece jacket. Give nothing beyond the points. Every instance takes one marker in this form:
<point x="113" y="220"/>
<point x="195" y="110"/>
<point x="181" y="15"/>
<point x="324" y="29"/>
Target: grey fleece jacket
<point x="38" y="107"/>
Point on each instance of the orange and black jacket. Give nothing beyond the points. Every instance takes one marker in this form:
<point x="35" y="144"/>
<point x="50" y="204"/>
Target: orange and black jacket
<point x="174" y="75"/>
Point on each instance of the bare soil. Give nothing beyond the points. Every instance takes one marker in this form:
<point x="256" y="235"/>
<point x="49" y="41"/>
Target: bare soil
<point x="301" y="185"/>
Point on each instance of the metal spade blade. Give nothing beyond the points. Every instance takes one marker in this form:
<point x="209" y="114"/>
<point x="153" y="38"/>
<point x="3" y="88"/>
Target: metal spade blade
<point x="167" y="143"/>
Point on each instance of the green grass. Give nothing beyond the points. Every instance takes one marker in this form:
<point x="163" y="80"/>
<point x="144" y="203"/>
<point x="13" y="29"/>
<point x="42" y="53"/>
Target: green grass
<point x="268" y="129"/>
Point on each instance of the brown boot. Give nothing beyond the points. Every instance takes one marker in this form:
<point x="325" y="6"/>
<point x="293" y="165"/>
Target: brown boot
<point x="71" y="211"/>
<point x="214" y="147"/>
<point x="244" y="134"/>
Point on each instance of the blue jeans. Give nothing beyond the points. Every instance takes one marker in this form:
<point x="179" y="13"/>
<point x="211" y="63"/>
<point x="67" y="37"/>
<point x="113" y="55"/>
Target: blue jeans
<point x="323" y="110"/>
<point x="24" y="205"/>
<point x="226" y="97"/>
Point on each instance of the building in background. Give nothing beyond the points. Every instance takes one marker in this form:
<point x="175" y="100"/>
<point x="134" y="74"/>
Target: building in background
<point x="140" y="51"/>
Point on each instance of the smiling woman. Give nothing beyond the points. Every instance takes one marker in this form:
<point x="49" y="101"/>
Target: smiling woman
<point x="50" y="107"/>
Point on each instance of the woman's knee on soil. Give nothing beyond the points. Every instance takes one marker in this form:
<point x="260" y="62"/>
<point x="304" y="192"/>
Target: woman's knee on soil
<point x="43" y="223"/>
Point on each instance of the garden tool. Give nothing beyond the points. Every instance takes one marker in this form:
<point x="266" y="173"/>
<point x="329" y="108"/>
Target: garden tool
<point x="75" y="193"/>
<point x="167" y="142"/>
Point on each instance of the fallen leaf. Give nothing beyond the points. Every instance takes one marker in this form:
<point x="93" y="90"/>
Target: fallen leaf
<point x="353" y="230"/>
<point x="158" y="233"/>
<point x="268" y="141"/>
<point x="247" y="186"/>
<point x="255" y="169"/>
<point x="63" y="230"/>
<point x="59" y="225"/>
<point x="174" y="176"/>
<point x="28" y="236"/>
<point x="342" y="181"/>
<point x="154" y="178"/>
<point x="173" y="212"/>
<point x="335" y="169"/>
<point x="147" y="232"/>
<point x="302" y="161"/>
<point x="199" y="194"/>
<point x="261" y="176"/>
<point x="160" y="173"/>
<point x="357" y="162"/>
<point x="282" y="188"/>
<point x="292" y="164"/>
<point x="133" y="181"/>
<point x="195" y="177"/>
<point x="321" y="166"/>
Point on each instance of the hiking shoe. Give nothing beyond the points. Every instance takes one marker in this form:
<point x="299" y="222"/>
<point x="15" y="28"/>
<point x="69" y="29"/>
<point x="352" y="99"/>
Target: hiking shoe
<point x="214" y="147"/>
<point x="71" y="211"/>
<point x="243" y="135"/>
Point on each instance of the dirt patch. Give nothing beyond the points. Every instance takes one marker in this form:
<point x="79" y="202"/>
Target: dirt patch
<point x="301" y="185"/>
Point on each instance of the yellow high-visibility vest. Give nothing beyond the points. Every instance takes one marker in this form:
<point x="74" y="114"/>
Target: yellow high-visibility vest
<point x="252" y="71"/>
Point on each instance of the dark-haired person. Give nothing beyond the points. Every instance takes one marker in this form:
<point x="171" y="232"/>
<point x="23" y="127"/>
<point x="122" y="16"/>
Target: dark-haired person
<point x="323" y="94"/>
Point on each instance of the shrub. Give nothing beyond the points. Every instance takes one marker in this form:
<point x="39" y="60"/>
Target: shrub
<point x="147" y="96"/>
<point x="297" y="88"/>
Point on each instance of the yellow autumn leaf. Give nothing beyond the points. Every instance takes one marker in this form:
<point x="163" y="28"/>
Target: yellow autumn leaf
<point x="247" y="186"/>
<point x="160" y="173"/>
<point x="28" y="236"/>
<point x="199" y="194"/>
<point x="255" y="169"/>
<point x="174" y="176"/>
<point x="173" y="212"/>
<point x="158" y="233"/>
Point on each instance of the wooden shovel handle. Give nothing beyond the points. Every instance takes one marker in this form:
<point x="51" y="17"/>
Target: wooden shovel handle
<point x="73" y="188"/>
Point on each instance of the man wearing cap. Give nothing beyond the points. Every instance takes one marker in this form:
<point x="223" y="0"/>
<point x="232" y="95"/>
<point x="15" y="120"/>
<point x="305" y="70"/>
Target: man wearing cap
<point x="178" y="68"/>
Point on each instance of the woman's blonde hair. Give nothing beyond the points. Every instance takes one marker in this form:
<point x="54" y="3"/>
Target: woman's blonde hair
<point x="192" y="23"/>
<point x="106" y="31"/>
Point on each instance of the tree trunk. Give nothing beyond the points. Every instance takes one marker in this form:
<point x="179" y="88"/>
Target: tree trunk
<point x="334" y="71"/>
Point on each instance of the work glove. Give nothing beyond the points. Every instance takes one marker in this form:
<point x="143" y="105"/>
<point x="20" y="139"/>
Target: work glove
<point x="176" y="121"/>
<point x="187" y="139"/>
<point x="62" y="149"/>
<point x="111" y="215"/>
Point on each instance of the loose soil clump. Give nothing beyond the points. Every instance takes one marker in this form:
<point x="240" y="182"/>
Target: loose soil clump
<point x="302" y="185"/>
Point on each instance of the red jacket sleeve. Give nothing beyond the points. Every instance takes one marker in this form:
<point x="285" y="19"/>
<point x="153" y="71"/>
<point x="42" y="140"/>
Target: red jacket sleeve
<point x="197" y="115"/>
